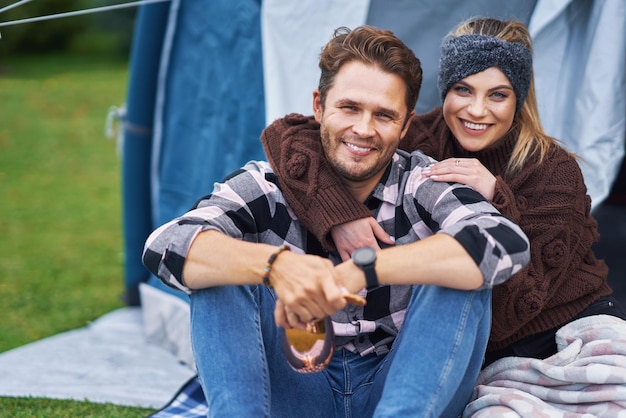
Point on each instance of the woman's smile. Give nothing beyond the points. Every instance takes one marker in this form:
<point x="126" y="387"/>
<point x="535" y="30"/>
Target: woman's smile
<point x="480" y="108"/>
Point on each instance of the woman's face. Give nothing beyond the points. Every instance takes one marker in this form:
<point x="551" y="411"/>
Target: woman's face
<point x="480" y="108"/>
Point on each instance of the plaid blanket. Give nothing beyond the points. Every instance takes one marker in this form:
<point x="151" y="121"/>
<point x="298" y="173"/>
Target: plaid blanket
<point x="189" y="402"/>
<point x="586" y="378"/>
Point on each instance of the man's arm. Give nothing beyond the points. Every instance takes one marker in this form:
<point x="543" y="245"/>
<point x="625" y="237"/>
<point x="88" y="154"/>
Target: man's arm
<point x="437" y="260"/>
<point x="306" y="284"/>
<point x="228" y="238"/>
<point x="215" y="259"/>
<point x="447" y="234"/>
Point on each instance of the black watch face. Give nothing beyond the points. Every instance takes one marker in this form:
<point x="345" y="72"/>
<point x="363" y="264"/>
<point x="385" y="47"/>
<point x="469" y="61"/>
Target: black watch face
<point x="364" y="256"/>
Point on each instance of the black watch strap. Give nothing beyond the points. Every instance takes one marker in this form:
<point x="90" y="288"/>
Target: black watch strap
<point x="371" y="278"/>
<point x="365" y="259"/>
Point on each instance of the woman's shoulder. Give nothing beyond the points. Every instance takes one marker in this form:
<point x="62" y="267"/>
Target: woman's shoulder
<point x="559" y="157"/>
<point x="559" y="167"/>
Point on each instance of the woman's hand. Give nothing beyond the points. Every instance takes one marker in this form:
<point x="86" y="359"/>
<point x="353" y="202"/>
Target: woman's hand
<point x="358" y="234"/>
<point x="468" y="171"/>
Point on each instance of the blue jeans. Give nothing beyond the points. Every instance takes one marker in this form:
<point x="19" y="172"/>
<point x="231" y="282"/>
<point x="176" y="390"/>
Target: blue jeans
<point x="429" y="372"/>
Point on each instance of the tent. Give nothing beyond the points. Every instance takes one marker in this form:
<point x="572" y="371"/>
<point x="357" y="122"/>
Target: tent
<point x="207" y="77"/>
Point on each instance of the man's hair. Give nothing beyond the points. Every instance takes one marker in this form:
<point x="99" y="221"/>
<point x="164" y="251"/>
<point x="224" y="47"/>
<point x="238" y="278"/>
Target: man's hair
<point x="370" y="46"/>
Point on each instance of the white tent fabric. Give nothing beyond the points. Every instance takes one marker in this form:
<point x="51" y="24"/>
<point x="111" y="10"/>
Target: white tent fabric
<point x="292" y="36"/>
<point x="580" y="75"/>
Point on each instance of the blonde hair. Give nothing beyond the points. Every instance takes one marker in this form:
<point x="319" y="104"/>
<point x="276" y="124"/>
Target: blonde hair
<point x="532" y="140"/>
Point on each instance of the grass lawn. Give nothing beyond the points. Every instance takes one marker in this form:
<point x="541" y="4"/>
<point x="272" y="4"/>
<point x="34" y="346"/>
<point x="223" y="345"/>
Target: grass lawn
<point x="61" y="258"/>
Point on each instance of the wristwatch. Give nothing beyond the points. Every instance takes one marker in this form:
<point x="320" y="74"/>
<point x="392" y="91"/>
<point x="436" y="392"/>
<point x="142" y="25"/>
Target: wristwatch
<point x="365" y="259"/>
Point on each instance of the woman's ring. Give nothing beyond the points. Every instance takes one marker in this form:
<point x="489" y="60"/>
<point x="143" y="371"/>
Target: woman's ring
<point x="456" y="162"/>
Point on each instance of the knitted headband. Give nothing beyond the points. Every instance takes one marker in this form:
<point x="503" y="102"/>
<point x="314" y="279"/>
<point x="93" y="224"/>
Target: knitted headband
<point x="464" y="55"/>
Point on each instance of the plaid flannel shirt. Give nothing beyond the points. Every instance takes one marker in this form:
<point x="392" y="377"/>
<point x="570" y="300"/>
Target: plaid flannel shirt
<point x="249" y="205"/>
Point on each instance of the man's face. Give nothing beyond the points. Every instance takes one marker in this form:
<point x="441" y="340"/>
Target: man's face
<point x="362" y="123"/>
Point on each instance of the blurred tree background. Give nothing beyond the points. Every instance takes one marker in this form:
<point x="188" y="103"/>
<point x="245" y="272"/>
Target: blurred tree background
<point x="108" y="32"/>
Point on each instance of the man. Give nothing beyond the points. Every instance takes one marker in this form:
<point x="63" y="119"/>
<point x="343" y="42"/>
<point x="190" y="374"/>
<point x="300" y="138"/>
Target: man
<point x="413" y="350"/>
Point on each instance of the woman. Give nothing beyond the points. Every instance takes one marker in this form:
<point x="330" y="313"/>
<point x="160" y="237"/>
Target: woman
<point x="487" y="135"/>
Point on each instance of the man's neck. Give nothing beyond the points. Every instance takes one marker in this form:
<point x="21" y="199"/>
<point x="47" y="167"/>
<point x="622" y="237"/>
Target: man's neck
<point x="360" y="190"/>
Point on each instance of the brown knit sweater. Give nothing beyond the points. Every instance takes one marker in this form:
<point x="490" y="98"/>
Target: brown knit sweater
<point x="548" y="201"/>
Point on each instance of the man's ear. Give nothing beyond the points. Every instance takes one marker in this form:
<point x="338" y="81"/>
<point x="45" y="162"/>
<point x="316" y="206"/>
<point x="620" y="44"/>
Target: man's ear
<point x="317" y="106"/>
<point x="407" y="123"/>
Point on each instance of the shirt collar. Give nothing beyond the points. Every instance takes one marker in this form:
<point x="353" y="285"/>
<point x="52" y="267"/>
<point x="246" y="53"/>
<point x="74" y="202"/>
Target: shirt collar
<point x="383" y="191"/>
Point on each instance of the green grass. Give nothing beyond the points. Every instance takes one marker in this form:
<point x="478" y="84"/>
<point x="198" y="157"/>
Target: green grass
<point x="61" y="258"/>
<point x="46" y="408"/>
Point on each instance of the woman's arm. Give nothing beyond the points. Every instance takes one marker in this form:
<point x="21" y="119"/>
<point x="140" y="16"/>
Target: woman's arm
<point x="311" y="187"/>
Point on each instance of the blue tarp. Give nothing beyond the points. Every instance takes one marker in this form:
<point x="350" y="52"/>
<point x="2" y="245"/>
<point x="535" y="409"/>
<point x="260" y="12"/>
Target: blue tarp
<point x="137" y="146"/>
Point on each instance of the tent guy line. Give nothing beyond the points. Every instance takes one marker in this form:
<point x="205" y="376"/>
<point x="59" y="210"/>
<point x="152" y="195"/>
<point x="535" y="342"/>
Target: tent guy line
<point x="14" y="5"/>
<point x="73" y="13"/>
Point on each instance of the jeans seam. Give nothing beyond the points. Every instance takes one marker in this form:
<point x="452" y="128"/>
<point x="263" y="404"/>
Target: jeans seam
<point x="267" y="397"/>
<point x="347" y="391"/>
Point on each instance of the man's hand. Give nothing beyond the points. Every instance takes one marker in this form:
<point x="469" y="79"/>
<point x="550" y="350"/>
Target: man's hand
<point x="306" y="287"/>
<point x="358" y="234"/>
